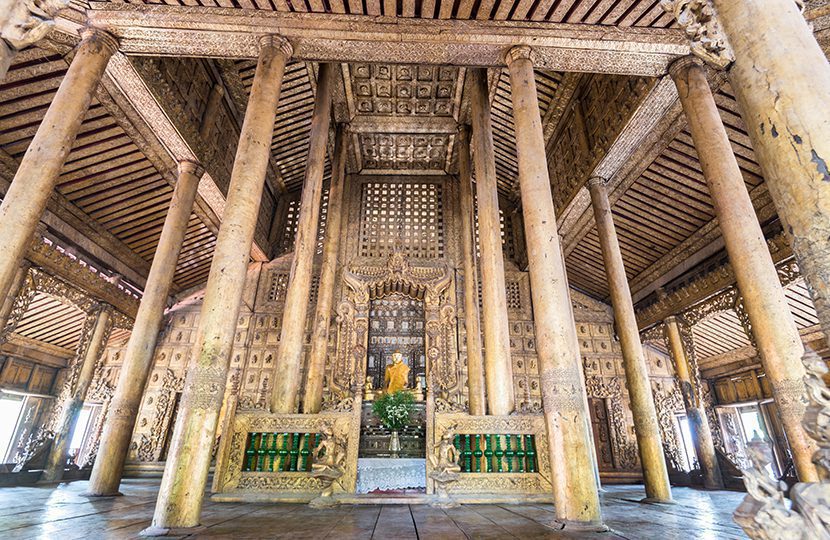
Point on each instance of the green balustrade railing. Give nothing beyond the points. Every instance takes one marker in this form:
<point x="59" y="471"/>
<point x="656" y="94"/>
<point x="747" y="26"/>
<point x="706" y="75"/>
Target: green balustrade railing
<point x="279" y="452"/>
<point x="493" y="453"/>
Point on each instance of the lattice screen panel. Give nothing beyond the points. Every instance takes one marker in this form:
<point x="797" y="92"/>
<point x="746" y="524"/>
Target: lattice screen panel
<point x="292" y="219"/>
<point x="405" y="217"/>
<point x="506" y="231"/>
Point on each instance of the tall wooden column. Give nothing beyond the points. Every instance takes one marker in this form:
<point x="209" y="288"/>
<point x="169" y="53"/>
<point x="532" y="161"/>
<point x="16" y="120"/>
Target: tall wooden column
<point x="183" y="484"/>
<point x="781" y="79"/>
<point x="646" y="427"/>
<point x="563" y="389"/>
<point x="313" y="397"/>
<point x="688" y="377"/>
<point x="290" y="351"/>
<point x="40" y="168"/>
<point x="71" y="399"/>
<point x="472" y="327"/>
<point x="498" y="367"/>
<point x="138" y="359"/>
<point x="778" y="341"/>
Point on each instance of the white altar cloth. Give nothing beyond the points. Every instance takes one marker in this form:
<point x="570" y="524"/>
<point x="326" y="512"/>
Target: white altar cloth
<point x="390" y="473"/>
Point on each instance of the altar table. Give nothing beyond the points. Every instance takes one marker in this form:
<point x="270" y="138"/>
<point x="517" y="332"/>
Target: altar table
<point x="390" y="473"/>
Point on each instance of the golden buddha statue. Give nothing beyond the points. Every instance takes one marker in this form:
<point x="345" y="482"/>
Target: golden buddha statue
<point x="397" y="374"/>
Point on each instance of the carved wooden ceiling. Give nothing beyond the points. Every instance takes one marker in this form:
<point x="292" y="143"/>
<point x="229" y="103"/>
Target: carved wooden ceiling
<point x="721" y="340"/>
<point x="665" y="210"/>
<point x="603" y="12"/>
<point x="108" y="183"/>
<point x="116" y="185"/>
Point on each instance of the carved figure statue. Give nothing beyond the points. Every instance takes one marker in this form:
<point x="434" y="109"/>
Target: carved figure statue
<point x="446" y="456"/>
<point x="397" y="374"/>
<point x="28" y="21"/>
<point x="765" y="513"/>
<point x="445" y="468"/>
<point x="368" y="390"/>
<point x="328" y="464"/>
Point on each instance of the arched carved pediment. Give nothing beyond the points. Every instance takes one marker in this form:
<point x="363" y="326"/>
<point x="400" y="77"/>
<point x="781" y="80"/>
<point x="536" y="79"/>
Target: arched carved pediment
<point x="425" y="283"/>
<point x="429" y="284"/>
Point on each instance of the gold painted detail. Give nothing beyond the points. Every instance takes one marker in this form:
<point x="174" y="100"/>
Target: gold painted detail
<point x="339" y="428"/>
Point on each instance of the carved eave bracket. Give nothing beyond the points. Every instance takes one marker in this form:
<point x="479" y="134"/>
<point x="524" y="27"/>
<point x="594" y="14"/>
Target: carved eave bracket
<point x="700" y="22"/>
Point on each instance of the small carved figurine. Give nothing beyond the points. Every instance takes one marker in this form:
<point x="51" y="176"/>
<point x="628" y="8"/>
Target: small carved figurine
<point x="328" y="464"/>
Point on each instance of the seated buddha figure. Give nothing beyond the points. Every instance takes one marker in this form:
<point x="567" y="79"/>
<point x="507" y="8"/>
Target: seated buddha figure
<point x="397" y="374"/>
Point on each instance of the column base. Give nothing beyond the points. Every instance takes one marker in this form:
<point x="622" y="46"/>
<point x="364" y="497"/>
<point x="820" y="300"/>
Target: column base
<point x="101" y="495"/>
<point x="567" y="525"/>
<point x="151" y="531"/>
<point x="652" y="500"/>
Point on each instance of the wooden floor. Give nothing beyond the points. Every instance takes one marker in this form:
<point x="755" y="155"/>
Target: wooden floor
<point x="62" y="513"/>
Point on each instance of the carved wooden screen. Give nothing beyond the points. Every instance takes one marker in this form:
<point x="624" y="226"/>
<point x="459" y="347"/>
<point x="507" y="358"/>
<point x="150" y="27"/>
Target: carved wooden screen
<point x="396" y="322"/>
<point x="407" y="217"/>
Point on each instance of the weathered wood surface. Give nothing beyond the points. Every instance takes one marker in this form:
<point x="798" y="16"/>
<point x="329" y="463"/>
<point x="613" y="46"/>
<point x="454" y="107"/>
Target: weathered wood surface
<point x="39" y="512"/>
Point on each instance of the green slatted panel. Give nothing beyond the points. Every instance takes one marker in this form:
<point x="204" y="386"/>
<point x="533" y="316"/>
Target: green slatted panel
<point x="494" y="453"/>
<point x="279" y="452"/>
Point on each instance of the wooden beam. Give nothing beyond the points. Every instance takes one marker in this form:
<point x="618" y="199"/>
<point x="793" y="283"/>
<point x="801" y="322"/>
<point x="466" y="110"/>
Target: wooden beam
<point x="233" y="33"/>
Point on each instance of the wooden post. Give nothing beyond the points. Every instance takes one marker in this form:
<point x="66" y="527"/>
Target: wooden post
<point x="498" y="367"/>
<point x="688" y="377"/>
<point x="292" y="336"/>
<point x="138" y="359"/>
<point x="575" y="489"/>
<point x="313" y="397"/>
<point x="71" y="400"/>
<point x="776" y="335"/>
<point x="475" y="363"/>
<point x="781" y="80"/>
<point x="646" y="427"/>
<point x="185" y="474"/>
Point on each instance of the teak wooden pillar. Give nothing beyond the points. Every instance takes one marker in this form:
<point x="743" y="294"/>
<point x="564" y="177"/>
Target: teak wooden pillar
<point x="781" y="79"/>
<point x="776" y="335"/>
<point x="138" y="359"/>
<point x="695" y="408"/>
<point x="40" y="168"/>
<point x="89" y="350"/>
<point x="185" y="474"/>
<point x="575" y="489"/>
<point x="313" y="397"/>
<point x="290" y="350"/>
<point x="472" y="325"/>
<point x="498" y="367"/>
<point x="646" y="427"/>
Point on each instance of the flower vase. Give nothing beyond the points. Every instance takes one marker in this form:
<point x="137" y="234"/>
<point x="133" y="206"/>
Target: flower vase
<point x="394" y="444"/>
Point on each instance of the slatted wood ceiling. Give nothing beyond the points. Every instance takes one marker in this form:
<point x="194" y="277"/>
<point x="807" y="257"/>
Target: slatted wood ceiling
<point x="292" y="124"/>
<point x="723" y="332"/>
<point x="52" y="322"/>
<point x="105" y="175"/>
<point x="669" y="203"/>
<point x="603" y="12"/>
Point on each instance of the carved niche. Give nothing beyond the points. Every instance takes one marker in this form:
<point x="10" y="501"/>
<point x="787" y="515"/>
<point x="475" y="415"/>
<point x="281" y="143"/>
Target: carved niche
<point x="150" y="446"/>
<point x="624" y="450"/>
<point x="429" y="284"/>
